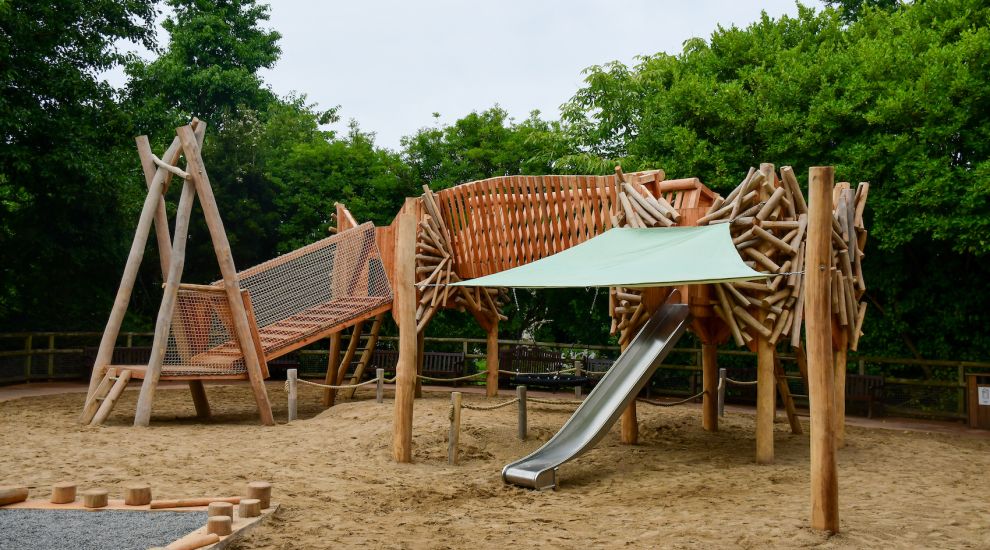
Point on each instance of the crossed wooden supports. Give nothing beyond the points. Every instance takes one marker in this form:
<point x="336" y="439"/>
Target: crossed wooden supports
<point x="158" y="174"/>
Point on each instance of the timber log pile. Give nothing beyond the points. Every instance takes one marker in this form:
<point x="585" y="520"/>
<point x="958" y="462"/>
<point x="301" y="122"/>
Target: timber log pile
<point x="637" y="207"/>
<point x="435" y="271"/>
<point x="768" y="219"/>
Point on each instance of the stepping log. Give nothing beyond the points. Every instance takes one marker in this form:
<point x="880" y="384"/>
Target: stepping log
<point x="249" y="508"/>
<point x="261" y="490"/>
<point x="220" y="509"/>
<point x="63" y="493"/>
<point x="95" y="498"/>
<point x="219" y="525"/>
<point x="137" y="494"/>
<point x="10" y="495"/>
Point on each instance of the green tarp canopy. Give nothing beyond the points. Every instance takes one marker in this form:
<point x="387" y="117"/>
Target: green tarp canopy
<point x="631" y="257"/>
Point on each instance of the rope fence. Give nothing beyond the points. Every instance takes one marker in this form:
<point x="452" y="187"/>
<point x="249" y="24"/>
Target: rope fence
<point x="723" y="382"/>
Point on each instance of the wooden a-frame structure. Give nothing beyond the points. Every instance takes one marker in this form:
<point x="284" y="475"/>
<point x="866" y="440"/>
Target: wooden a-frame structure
<point x="229" y="329"/>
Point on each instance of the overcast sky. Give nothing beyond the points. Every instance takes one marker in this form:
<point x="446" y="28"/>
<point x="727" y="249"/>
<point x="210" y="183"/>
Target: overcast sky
<point x="390" y="64"/>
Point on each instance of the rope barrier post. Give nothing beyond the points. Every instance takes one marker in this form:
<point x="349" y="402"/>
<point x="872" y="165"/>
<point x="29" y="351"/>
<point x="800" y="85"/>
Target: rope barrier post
<point x="292" y="375"/>
<point x="455" y="427"/>
<point x="721" y="391"/>
<point x="577" y="373"/>
<point x="521" y="395"/>
<point x="380" y="386"/>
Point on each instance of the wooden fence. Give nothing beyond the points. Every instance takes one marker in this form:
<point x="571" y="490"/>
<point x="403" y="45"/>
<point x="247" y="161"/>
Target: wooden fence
<point x="914" y="387"/>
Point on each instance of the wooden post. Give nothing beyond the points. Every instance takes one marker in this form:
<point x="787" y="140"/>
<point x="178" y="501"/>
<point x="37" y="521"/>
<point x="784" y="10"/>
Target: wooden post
<point x="196" y="170"/>
<point x="818" y="320"/>
<point x="331" y="377"/>
<point x="766" y="382"/>
<point x="404" y="310"/>
<point x="420" y="356"/>
<point x="137" y="494"/>
<point x="577" y="374"/>
<point x="380" y="385"/>
<point x="28" y="357"/>
<point x="261" y="490"/>
<point x="454" y="436"/>
<point x="766" y="386"/>
<point x="200" y="401"/>
<point x="219" y="525"/>
<point x="841" y="351"/>
<point x="709" y="383"/>
<point x="523" y="428"/>
<point x="491" y="360"/>
<point x="134" y="257"/>
<point x="63" y="493"/>
<point x="111" y="399"/>
<point x="721" y="391"/>
<point x="249" y="508"/>
<point x="95" y="498"/>
<point x="292" y="378"/>
<point x="142" y="417"/>
<point x="51" y="356"/>
<point x="345" y="363"/>
<point x="220" y="509"/>
<point x="629" y="425"/>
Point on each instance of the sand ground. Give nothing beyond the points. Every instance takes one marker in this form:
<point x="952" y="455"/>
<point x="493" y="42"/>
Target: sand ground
<point x="333" y="475"/>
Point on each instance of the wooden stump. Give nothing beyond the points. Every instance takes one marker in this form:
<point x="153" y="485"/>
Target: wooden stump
<point x="63" y="493"/>
<point x="10" y="495"/>
<point x="249" y="508"/>
<point x="261" y="490"/>
<point x="220" y="509"/>
<point x="137" y="494"/>
<point x="95" y="498"/>
<point x="219" y="525"/>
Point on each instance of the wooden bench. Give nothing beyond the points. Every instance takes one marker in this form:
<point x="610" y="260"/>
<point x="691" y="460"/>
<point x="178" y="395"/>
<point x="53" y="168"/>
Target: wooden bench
<point x="865" y="388"/>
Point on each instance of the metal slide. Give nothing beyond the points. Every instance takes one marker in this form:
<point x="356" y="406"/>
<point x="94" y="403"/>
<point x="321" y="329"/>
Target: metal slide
<point x="604" y="405"/>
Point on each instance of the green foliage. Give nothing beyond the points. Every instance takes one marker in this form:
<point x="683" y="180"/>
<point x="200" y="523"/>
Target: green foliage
<point x="61" y="235"/>
<point x="897" y="97"/>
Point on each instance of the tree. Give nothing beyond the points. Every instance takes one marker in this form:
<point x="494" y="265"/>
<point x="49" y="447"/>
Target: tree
<point x="897" y="97"/>
<point x="61" y="226"/>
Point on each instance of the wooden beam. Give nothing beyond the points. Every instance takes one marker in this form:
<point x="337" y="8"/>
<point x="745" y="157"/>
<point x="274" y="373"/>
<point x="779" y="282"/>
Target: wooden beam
<point x="709" y="382"/>
<point x="821" y="390"/>
<point x="163" y="323"/>
<point x="766" y="385"/>
<point x="332" y="362"/>
<point x="629" y="424"/>
<point x="404" y="310"/>
<point x="199" y="398"/>
<point x="491" y="360"/>
<point x="221" y="246"/>
<point x="134" y="257"/>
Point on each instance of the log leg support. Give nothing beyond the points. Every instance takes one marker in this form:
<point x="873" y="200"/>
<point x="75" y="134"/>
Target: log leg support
<point x="491" y="360"/>
<point x="709" y="373"/>
<point x="766" y="387"/>
<point x="200" y="401"/>
<point x="629" y="426"/>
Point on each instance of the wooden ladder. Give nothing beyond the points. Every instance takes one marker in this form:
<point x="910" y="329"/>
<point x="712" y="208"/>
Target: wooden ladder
<point x="99" y="406"/>
<point x="786" y="396"/>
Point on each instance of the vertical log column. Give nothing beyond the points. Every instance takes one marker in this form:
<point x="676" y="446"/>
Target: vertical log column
<point x="629" y="425"/>
<point x="821" y="392"/>
<point x="841" y="351"/>
<point x="404" y="310"/>
<point x="766" y="382"/>
<point x="491" y="384"/>
<point x="709" y="379"/>
<point x="221" y="246"/>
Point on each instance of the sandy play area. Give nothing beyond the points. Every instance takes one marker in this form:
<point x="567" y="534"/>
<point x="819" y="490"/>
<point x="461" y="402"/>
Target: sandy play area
<point x="333" y="475"/>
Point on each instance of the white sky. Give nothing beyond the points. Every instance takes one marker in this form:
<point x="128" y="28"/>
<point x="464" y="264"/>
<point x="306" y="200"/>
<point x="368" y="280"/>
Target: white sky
<point x="390" y="64"/>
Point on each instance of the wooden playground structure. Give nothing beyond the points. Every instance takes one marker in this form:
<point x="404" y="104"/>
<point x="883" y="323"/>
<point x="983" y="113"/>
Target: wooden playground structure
<point x="231" y="328"/>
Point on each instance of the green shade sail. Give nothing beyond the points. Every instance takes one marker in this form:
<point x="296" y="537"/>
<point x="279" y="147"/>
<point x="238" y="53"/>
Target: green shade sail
<point x="631" y="257"/>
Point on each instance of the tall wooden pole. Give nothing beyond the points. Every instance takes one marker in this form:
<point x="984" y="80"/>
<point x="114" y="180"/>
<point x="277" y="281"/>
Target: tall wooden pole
<point x="491" y="360"/>
<point x="231" y="285"/>
<point x="134" y="258"/>
<point x="142" y="415"/>
<point x="629" y="424"/>
<point x="818" y="319"/>
<point x="842" y="349"/>
<point x="709" y="382"/>
<point x="404" y="310"/>
<point x="766" y="382"/>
